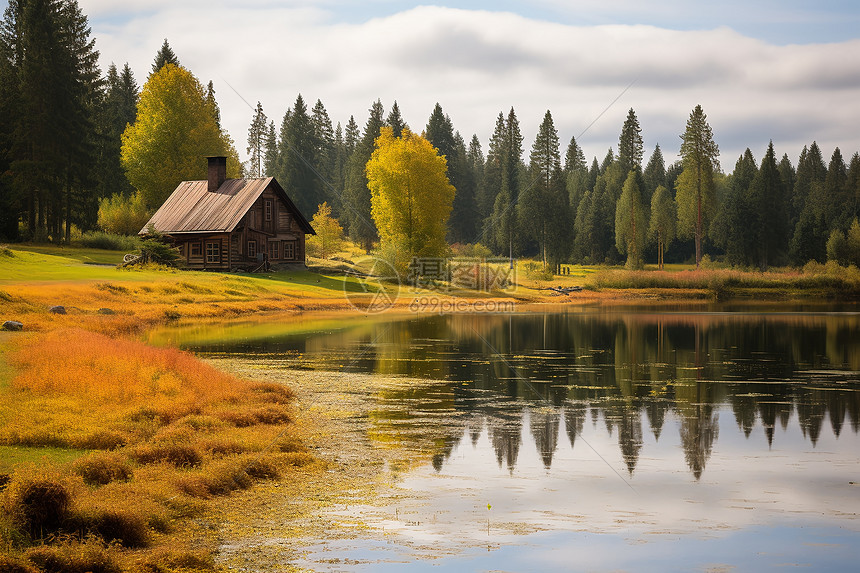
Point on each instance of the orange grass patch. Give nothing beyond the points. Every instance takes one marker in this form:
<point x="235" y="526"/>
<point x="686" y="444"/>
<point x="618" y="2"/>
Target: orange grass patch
<point x="104" y="369"/>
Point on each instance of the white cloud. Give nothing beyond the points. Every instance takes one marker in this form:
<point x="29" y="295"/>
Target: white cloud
<point x="477" y="63"/>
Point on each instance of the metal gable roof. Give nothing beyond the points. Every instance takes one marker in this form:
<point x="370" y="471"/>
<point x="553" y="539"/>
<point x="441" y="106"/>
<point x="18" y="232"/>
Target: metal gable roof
<point x="191" y="208"/>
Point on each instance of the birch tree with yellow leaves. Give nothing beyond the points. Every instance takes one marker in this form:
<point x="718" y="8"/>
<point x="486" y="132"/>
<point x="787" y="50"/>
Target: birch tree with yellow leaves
<point x="175" y="130"/>
<point x="411" y="198"/>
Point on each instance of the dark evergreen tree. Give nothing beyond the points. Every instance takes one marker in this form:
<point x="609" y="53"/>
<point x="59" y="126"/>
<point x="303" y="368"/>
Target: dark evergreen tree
<point x="655" y="172"/>
<point x="543" y="209"/>
<point x="53" y="87"/>
<point x="475" y="161"/>
<point x="502" y="222"/>
<point x="577" y="177"/>
<point x="351" y="135"/>
<point x="297" y="157"/>
<point x="439" y="132"/>
<point x="324" y="153"/>
<point x="836" y="196"/>
<point x="630" y="148"/>
<point x="731" y="228"/>
<point x="808" y="241"/>
<point x="769" y="212"/>
<point x="213" y="103"/>
<point x="463" y="223"/>
<point x="164" y="56"/>
<point x="118" y="110"/>
<point x="270" y="157"/>
<point x="356" y="197"/>
<point x="395" y="120"/>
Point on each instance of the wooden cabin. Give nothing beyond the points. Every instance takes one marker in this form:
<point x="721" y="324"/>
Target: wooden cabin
<point x="226" y="224"/>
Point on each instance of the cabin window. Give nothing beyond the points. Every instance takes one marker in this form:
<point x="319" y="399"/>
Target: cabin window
<point x="289" y="250"/>
<point x="274" y="250"/>
<point x="252" y="249"/>
<point x="196" y="250"/>
<point x="267" y="210"/>
<point x="213" y="252"/>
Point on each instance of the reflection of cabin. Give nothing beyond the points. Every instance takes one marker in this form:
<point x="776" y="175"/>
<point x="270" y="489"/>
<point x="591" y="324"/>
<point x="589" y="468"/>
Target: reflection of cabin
<point x="232" y="223"/>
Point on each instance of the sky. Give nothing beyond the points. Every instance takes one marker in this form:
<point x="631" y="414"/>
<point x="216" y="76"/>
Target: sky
<point x="787" y="71"/>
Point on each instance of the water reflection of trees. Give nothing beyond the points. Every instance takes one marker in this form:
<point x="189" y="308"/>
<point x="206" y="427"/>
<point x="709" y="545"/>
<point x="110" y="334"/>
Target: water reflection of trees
<point x="553" y="369"/>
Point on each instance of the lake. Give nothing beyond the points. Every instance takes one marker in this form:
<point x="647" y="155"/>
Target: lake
<point x="643" y="438"/>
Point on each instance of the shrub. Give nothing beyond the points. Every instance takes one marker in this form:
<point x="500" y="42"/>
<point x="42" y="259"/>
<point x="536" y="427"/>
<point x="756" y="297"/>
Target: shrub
<point x="102" y="468"/>
<point x="471" y="250"/>
<point x="37" y="504"/>
<point x="109" y="241"/>
<point x="123" y="214"/>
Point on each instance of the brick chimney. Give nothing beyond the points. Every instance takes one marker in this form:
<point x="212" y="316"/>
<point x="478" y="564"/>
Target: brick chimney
<point x="217" y="172"/>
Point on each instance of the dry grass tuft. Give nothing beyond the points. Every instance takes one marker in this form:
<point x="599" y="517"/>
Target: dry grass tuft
<point x="101" y="468"/>
<point x="251" y="416"/>
<point x="100" y="440"/>
<point x="175" y="454"/>
<point x="9" y="564"/>
<point x="113" y="524"/>
<point x="170" y="559"/>
<point x="72" y="556"/>
<point x="38" y="503"/>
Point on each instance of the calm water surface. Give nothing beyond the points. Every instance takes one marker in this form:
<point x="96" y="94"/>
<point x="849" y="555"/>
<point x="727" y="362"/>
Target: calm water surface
<point x="641" y="438"/>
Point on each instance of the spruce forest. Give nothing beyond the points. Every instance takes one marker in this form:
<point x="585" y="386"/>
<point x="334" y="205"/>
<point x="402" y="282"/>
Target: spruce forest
<point x="69" y="163"/>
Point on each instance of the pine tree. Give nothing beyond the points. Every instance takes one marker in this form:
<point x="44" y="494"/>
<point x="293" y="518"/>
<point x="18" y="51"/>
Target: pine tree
<point x="577" y="177"/>
<point x="297" y="157"/>
<point x="351" y="135"/>
<point x="356" y="197"/>
<point x="502" y="222"/>
<point x="655" y="172"/>
<point x="768" y="207"/>
<point x="325" y="152"/>
<point x="257" y="133"/>
<point x="164" y="56"/>
<point x="395" y="120"/>
<point x="731" y="228"/>
<point x="52" y="88"/>
<point x="475" y="160"/>
<point x="695" y="185"/>
<point x="630" y="148"/>
<point x="118" y="111"/>
<point x="213" y="103"/>
<point x="270" y="159"/>
<point x="808" y="241"/>
<point x="440" y="133"/>
<point x="836" y="196"/>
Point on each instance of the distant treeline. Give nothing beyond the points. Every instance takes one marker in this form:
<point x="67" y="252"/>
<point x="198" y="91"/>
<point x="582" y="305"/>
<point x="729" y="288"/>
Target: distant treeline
<point x="62" y="120"/>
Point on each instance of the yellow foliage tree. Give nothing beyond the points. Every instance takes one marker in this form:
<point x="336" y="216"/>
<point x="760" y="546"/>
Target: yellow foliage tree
<point x="329" y="237"/>
<point x="411" y="197"/>
<point x="175" y="130"/>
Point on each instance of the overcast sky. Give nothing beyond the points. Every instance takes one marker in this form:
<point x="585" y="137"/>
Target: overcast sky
<point x="785" y="70"/>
